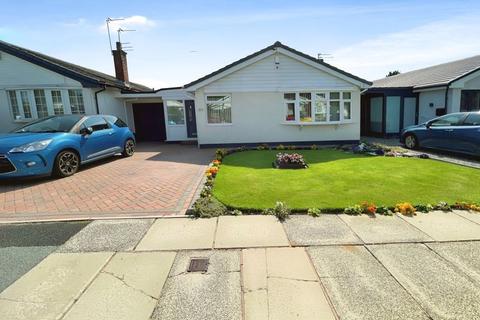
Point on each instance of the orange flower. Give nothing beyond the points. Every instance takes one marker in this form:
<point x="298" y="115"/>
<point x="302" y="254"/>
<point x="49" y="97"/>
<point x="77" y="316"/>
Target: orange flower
<point x="216" y="162"/>
<point x="213" y="170"/>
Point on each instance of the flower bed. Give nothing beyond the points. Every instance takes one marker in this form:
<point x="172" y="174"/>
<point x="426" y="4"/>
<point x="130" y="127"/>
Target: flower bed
<point x="289" y="161"/>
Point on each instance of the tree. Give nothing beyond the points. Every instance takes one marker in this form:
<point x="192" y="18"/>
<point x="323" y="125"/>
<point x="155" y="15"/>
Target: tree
<point x="393" y="73"/>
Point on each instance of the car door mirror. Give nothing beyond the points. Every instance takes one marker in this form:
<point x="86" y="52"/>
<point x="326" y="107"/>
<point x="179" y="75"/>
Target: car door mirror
<point x="428" y="124"/>
<point x="86" y="131"/>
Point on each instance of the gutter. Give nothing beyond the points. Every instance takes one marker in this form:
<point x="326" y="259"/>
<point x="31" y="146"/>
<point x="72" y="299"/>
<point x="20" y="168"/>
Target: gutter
<point x="96" y="98"/>
<point x="446" y="97"/>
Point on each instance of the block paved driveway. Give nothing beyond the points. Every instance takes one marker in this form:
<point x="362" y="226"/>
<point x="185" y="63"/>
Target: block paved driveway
<point x="160" y="179"/>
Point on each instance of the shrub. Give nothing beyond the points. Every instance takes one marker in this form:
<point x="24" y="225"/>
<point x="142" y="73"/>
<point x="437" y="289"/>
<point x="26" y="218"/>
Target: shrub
<point x="221" y="153"/>
<point x="263" y="146"/>
<point x="280" y="147"/>
<point x="290" y="160"/>
<point x="384" y="211"/>
<point x="466" y="206"/>
<point x="425" y="208"/>
<point x="353" y="210"/>
<point x="314" y="212"/>
<point x="206" y="191"/>
<point x="442" y="205"/>
<point x="208" y="207"/>
<point x="281" y="211"/>
<point x="291" y="147"/>
<point x="313" y="147"/>
<point x="405" y="208"/>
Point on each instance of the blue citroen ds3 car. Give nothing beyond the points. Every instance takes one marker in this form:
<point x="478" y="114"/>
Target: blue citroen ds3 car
<point x="454" y="132"/>
<point x="58" y="145"/>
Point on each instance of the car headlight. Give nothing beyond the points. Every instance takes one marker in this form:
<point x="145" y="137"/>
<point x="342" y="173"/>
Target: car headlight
<point x="32" y="146"/>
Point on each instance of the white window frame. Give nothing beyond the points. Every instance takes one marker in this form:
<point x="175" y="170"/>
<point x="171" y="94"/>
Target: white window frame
<point x="184" y="113"/>
<point x="76" y="98"/>
<point x="231" y="109"/>
<point x="313" y="100"/>
<point x="64" y="93"/>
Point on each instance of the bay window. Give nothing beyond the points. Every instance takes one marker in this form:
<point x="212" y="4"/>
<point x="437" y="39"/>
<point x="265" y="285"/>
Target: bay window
<point x="318" y="107"/>
<point x="175" y="112"/>
<point x="219" y="109"/>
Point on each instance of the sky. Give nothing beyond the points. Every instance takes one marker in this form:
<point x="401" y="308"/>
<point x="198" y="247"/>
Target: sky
<point x="176" y="42"/>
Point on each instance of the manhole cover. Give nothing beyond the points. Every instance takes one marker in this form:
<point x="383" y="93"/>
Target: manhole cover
<point x="198" y="265"/>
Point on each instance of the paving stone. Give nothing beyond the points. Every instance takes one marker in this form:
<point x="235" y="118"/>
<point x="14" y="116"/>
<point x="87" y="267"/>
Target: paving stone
<point x="15" y="262"/>
<point x="127" y="288"/>
<point x="250" y="231"/>
<point x="442" y="290"/>
<point x="254" y="272"/>
<point x="445" y="226"/>
<point x="293" y="299"/>
<point x="48" y="289"/>
<point x="181" y="233"/>
<point x="472" y="216"/>
<point x="464" y="255"/>
<point x="215" y="294"/>
<point x="290" y="263"/>
<point x="327" y="229"/>
<point x="381" y="229"/>
<point x="359" y="287"/>
<point x="256" y="304"/>
<point x="108" y="235"/>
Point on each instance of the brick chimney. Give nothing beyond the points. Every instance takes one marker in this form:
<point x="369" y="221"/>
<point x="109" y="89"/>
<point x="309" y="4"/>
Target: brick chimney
<point x="120" y="61"/>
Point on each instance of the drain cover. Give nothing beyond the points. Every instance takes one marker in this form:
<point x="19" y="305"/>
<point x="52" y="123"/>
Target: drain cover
<point x="198" y="265"/>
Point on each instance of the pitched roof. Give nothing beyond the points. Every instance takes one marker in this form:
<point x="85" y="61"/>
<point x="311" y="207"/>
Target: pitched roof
<point x="434" y="76"/>
<point x="88" y="77"/>
<point x="277" y="44"/>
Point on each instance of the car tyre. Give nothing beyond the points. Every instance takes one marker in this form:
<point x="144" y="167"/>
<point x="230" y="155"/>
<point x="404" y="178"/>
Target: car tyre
<point x="66" y="164"/>
<point x="411" y="141"/>
<point x="129" y="148"/>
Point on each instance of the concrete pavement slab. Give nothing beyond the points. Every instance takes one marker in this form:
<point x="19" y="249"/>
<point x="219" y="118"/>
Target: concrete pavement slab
<point x="46" y="291"/>
<point x="215" y="294"/>
<point x="359" y="287"/>
<point x="384" y="229"/>
<point x="464" y="255"/>
<point x="181" y="233"/>
<point x="16" y="261"/>
<point x="328" y="229"/>
<point x="108" y="235"/>
<point x="443" y="291"/>
<point x="293" y="299"/>
<point x="254" y="269"/>
<point x="38" y="234"/>
<point x="290" y="263"/>
<point x="250" y="231"/>
<point x="470" y="215"/>
<point x="256" y="305"/>
<point x="445" y="226"/>
<point x="127" y="288"/>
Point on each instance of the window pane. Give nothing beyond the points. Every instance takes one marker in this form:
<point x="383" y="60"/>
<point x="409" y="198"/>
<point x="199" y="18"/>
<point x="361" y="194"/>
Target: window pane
<point x="470" y="100"/>
<point x="219" y="109"/>
<point x="347" y="111"/>
<point x="289" y="96"/>
<point x="473" y="119"/>
<point x="334" y="110"/>
<point x="320" y="107"/>
<point x="14" y="104"/>
<point x="175" y="112"/>
<point x="448" y="120"/>
<point x="97" y="123"/>
<point x="334" y="95"/>
<point x="76" y="101"/>
<point x="27" y="113"/>
<point x="290" y="111"/>
<point x="57" y="102"/>
<point x="41" y="103"/>
<point x="305" y="107"/>
<point x="347" y="95"/>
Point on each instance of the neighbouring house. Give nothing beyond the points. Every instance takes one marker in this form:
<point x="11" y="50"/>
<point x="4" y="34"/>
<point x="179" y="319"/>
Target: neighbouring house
<point x="414" y="97"/>
<point x="34" y="85"/>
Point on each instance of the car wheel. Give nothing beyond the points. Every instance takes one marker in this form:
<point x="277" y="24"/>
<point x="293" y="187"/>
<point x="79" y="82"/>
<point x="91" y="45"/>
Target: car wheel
<point x="129" y="148"/>
<point x="66" y="164"/>
<point x="411" y="141"/>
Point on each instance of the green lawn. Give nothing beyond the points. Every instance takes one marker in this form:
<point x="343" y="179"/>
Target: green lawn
<point x="337" y="179"/>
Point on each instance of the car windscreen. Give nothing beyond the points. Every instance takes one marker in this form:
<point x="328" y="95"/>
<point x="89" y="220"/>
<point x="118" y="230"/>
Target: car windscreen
<point x="52" y="124"/>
